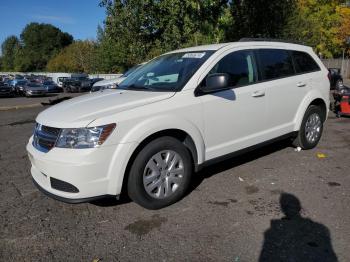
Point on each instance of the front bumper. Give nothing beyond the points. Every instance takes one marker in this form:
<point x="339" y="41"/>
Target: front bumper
<point x="95" y="172"/>
<point x="69" y="200"/>
<point x="35" y="94"/>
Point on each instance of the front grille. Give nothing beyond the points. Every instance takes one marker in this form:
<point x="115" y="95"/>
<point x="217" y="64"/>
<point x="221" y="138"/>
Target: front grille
<point x="63" y="186"/>
<point x="45" y="137"/>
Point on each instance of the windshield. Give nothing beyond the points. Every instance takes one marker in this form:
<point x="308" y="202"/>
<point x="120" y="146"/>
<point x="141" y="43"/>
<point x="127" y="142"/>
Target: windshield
<point x="166" y="73"/>
<point x="132" y="69"/>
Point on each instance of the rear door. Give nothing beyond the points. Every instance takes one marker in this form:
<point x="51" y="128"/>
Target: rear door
<point x="284" y="88"/>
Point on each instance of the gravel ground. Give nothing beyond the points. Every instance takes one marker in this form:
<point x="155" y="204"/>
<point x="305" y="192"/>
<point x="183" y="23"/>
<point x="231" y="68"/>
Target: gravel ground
<point x="232" y="213"/>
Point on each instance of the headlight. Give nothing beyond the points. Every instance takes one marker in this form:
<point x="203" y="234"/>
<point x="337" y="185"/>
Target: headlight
<point x="88" y="137"/>
<point x="112" y="86"/>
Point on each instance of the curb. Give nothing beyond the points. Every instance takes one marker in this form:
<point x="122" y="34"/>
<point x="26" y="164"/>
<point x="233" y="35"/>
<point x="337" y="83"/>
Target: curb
<point x="6" y="108"/>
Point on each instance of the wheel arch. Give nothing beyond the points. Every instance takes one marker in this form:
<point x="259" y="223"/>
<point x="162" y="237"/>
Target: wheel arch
<point x="179" y="134"/>
<point x="313" y="98"/>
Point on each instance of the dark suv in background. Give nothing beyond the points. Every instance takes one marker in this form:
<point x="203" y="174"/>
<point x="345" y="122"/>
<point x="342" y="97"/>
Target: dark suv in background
<point x="77" y="84"/>
<point x="336" y="78"/>
<point x="6" y="90"/>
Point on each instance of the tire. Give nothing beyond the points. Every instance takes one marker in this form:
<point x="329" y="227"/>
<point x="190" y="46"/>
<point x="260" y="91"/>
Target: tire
<point x="145" y="173"/>
<point x="305" y="139"/>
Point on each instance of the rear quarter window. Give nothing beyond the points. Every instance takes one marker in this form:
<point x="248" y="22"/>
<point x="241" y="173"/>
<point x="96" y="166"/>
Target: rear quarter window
<point x="304" y="63"/>
<point x="275" y="63"/>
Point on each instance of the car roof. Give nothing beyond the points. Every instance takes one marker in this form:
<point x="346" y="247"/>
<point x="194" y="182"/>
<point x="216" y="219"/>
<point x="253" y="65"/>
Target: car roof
<point x="265" y="44"/>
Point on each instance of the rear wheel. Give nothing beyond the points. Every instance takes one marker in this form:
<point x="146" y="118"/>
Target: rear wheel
<point x="160" y="174"/>
<point x="311" y="128"/>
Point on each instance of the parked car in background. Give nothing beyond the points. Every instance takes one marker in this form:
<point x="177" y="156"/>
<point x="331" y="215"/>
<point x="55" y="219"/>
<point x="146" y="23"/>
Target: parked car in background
<point x="19" y="86"/>
<point x="336" y="78"/>
<point x="77" y="84"/>
<point x="60" y="80"/>
<point x="17" y="82"/>
<point x="52" y="87"/>
<point x="6" y="90"/>
<point x="94" y="80"/>
<point x="114" y="82"/>
<point x="34" y="89"/>
<point x="18" y="77"/>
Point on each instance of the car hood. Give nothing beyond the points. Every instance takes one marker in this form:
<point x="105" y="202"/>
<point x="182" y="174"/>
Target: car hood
<point x="82" y="110"/>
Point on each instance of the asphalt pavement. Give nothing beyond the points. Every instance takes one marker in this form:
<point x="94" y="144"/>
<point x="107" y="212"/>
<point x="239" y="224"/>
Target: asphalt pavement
<point x="271" y="202"/>
<point x="21" y="102"/>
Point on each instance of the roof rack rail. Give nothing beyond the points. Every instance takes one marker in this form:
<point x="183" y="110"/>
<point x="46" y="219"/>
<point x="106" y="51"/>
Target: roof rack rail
<point x="269" y="40"/>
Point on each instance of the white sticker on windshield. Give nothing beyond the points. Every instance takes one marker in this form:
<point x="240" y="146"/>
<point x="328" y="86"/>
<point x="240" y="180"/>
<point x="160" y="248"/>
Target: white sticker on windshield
<point x="194" y="55"/>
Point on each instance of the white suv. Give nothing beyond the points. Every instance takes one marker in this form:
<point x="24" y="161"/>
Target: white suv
<point x="179" y="112"/>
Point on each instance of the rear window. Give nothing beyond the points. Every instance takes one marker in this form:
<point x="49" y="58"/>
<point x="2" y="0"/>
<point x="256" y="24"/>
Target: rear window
<point x="275" y="63"/>
<point x="304" y="63"/>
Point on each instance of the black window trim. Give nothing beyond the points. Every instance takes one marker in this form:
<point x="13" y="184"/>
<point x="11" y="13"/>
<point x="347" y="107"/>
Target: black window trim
<point x="198" y="92"/>
<point x="261" y="80"/>
<point x="258" y="66"/>
<point x="307" y="72"/>
<point x="295" y="72"/>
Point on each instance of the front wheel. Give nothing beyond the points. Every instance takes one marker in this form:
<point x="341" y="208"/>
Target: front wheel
<point x="311" y="128"/>
<point x="160" y="174"/>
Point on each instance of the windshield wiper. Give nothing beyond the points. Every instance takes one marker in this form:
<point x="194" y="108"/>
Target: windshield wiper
<point x="135" y="87"/>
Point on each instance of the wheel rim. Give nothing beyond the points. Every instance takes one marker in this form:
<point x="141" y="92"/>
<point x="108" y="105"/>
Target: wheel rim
<point x="163" y="174"/>
<point x="313" y="128"/>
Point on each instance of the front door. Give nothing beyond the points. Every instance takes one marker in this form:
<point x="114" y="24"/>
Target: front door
<point x="236" y="118"/>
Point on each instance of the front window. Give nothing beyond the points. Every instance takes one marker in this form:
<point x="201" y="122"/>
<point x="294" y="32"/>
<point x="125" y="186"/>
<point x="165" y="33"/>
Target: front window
<point x="166" y="73"/>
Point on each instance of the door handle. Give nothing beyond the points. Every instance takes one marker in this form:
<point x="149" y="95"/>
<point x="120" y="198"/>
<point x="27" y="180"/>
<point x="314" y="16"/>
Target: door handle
<point x="259" y="93"/>
<point x="301" y="84"/>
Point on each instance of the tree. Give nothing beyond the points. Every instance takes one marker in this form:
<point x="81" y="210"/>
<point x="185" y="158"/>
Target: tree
<point x="39" y="43"/>
<point x="9" y="48"/>
<point x="344" y="29"/>
<point x="142" y="29"/>
<point x="259" y="18"/>
<point x="317" y="23"/>
<point x="80" y="56"/>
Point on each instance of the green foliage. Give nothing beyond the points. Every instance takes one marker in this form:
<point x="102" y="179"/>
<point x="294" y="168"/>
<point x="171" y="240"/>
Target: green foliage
<point x="316" y="23"/>
<point x="80" y="56"/>
<point x="142" y="29"/>
<point x="260" y="18"/>
<point x="135" y="31"/>
<point x="9" y="49"/>
<point x="39" y="42"/>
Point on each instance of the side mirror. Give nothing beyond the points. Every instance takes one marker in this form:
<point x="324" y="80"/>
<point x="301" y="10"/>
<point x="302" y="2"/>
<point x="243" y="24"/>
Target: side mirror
<point x="216" y="82"/>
